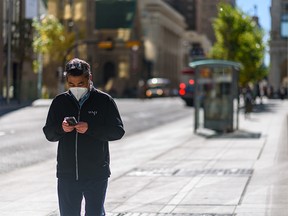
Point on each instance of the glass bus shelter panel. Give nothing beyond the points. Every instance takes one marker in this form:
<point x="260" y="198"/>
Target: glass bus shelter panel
<point x="217" y="95"/>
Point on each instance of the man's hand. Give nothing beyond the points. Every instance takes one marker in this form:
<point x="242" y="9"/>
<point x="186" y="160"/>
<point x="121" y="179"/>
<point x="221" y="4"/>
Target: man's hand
<point x="81" y="127"/>
<point x="66" y="127"/>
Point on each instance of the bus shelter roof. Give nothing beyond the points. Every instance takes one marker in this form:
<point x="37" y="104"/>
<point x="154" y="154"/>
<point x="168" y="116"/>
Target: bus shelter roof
<point x="217" y="62"/>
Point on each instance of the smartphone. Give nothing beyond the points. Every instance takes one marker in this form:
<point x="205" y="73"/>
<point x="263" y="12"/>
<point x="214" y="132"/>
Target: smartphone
<point x="71" y="120"/>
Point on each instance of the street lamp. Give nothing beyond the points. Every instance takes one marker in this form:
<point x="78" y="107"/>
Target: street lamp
<point x="72" y="25"/>
<point x="8" y="65"/>
<point x="9" y="13"/>
<point x="39" y="59"/>
<point x="284" y="35"/>
<point x="286" y="68"/>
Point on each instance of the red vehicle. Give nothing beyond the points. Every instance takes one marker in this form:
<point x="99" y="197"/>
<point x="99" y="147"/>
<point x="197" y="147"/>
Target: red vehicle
<point x="186" y="86"/>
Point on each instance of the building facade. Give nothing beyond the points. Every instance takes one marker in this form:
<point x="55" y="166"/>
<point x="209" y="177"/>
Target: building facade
<point x="199" y="14"/>
<point x="163" y="30"/>
<point x="74" y="16"/>
<point x="17" y="80"/>
<point x="278" y="75"/>
<point x="206" y="11"/>
<point x="188" y="9"/>
<point x="127" y="41"/>
<point x="117" y="58"/>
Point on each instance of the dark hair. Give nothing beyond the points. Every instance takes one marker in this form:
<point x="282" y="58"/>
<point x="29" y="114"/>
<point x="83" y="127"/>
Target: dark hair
<point x="77" y="67"/>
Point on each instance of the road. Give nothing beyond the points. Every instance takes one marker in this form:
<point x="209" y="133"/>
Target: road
<point x="22" y="142"/>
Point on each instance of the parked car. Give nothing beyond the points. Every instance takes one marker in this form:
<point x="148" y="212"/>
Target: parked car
<point x="158" y="87"/>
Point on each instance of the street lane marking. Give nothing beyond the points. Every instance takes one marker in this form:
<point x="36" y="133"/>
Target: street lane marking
<point x="2" y="133"/>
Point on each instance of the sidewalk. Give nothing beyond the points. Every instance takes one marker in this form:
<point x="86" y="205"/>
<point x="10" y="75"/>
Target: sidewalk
<point x="228" y="175"/>
<point x="169" y="170"/>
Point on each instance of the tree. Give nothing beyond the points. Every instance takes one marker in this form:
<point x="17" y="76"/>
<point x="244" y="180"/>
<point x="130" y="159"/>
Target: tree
<point x="240" y="39"/>
<point x="51" y="42"/>
<point x="51" y="38"/>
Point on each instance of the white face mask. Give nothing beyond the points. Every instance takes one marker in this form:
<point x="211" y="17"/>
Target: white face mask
<point x="78" y="92"/>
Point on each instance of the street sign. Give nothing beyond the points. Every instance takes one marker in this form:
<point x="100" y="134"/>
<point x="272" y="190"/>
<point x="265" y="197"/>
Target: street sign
<point x="105" y="45"/>
<point x="130" y="44"/>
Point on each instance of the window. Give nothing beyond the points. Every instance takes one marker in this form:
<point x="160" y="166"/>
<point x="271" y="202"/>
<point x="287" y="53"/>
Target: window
<point x="284" y="25"/>
<point x="284" y="20"/>
<point x="285" y="7"/>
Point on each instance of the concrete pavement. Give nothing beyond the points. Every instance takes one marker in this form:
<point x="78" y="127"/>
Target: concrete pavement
<point x="168" y="170"/>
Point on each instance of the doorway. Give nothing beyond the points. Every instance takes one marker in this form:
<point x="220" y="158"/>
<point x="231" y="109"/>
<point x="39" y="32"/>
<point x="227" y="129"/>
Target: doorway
<point x="109" y="71"/>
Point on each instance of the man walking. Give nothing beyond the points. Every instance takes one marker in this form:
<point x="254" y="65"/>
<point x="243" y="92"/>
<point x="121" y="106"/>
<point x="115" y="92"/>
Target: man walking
<point x="82" y="120"/>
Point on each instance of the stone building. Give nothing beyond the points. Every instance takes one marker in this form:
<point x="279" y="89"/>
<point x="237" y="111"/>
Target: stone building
<point x="127" y="41"/>
<point x="278" y="75"/>
<point x="135" y="40"/>
<point x="206" y="11"/>
<point x="199" y="14"/>
<point x="17" y="79"/>
<point x="163" y="30"/>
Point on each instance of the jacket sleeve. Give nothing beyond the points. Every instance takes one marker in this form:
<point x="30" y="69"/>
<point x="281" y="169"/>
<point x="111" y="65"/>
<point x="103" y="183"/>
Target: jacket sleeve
<point x="112" y="129"/>
<point x="53" y="127"/>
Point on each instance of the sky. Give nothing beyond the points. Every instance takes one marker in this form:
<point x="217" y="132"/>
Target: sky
<point x="262" y="11"/>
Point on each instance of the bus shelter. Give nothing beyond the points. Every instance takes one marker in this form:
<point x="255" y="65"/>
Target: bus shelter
<point x="216" y="95"/>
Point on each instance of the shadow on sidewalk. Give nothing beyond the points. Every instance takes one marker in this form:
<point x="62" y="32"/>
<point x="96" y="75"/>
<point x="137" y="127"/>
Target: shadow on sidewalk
<point x="262" y="107"/>
<point x="241" y="134"/>
<point x="237" y="134"/>
<point x="12" y="106"/>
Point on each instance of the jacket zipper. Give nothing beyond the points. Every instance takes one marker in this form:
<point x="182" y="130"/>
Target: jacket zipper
<point x="76" y="149"/>
<point x="76" y="143"/>
<point x="76" y="156"/>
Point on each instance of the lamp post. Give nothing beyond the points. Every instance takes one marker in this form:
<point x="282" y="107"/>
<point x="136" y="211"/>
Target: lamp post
<point x="286" y="68"/>
<point x="39" y="59"/>
<point x="9" y="12"/>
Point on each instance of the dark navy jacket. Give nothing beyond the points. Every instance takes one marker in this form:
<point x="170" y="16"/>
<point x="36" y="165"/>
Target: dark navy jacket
<point x="84" y="156"/>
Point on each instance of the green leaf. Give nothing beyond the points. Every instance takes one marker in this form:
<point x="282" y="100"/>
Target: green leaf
<point x="240" y="39"/>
